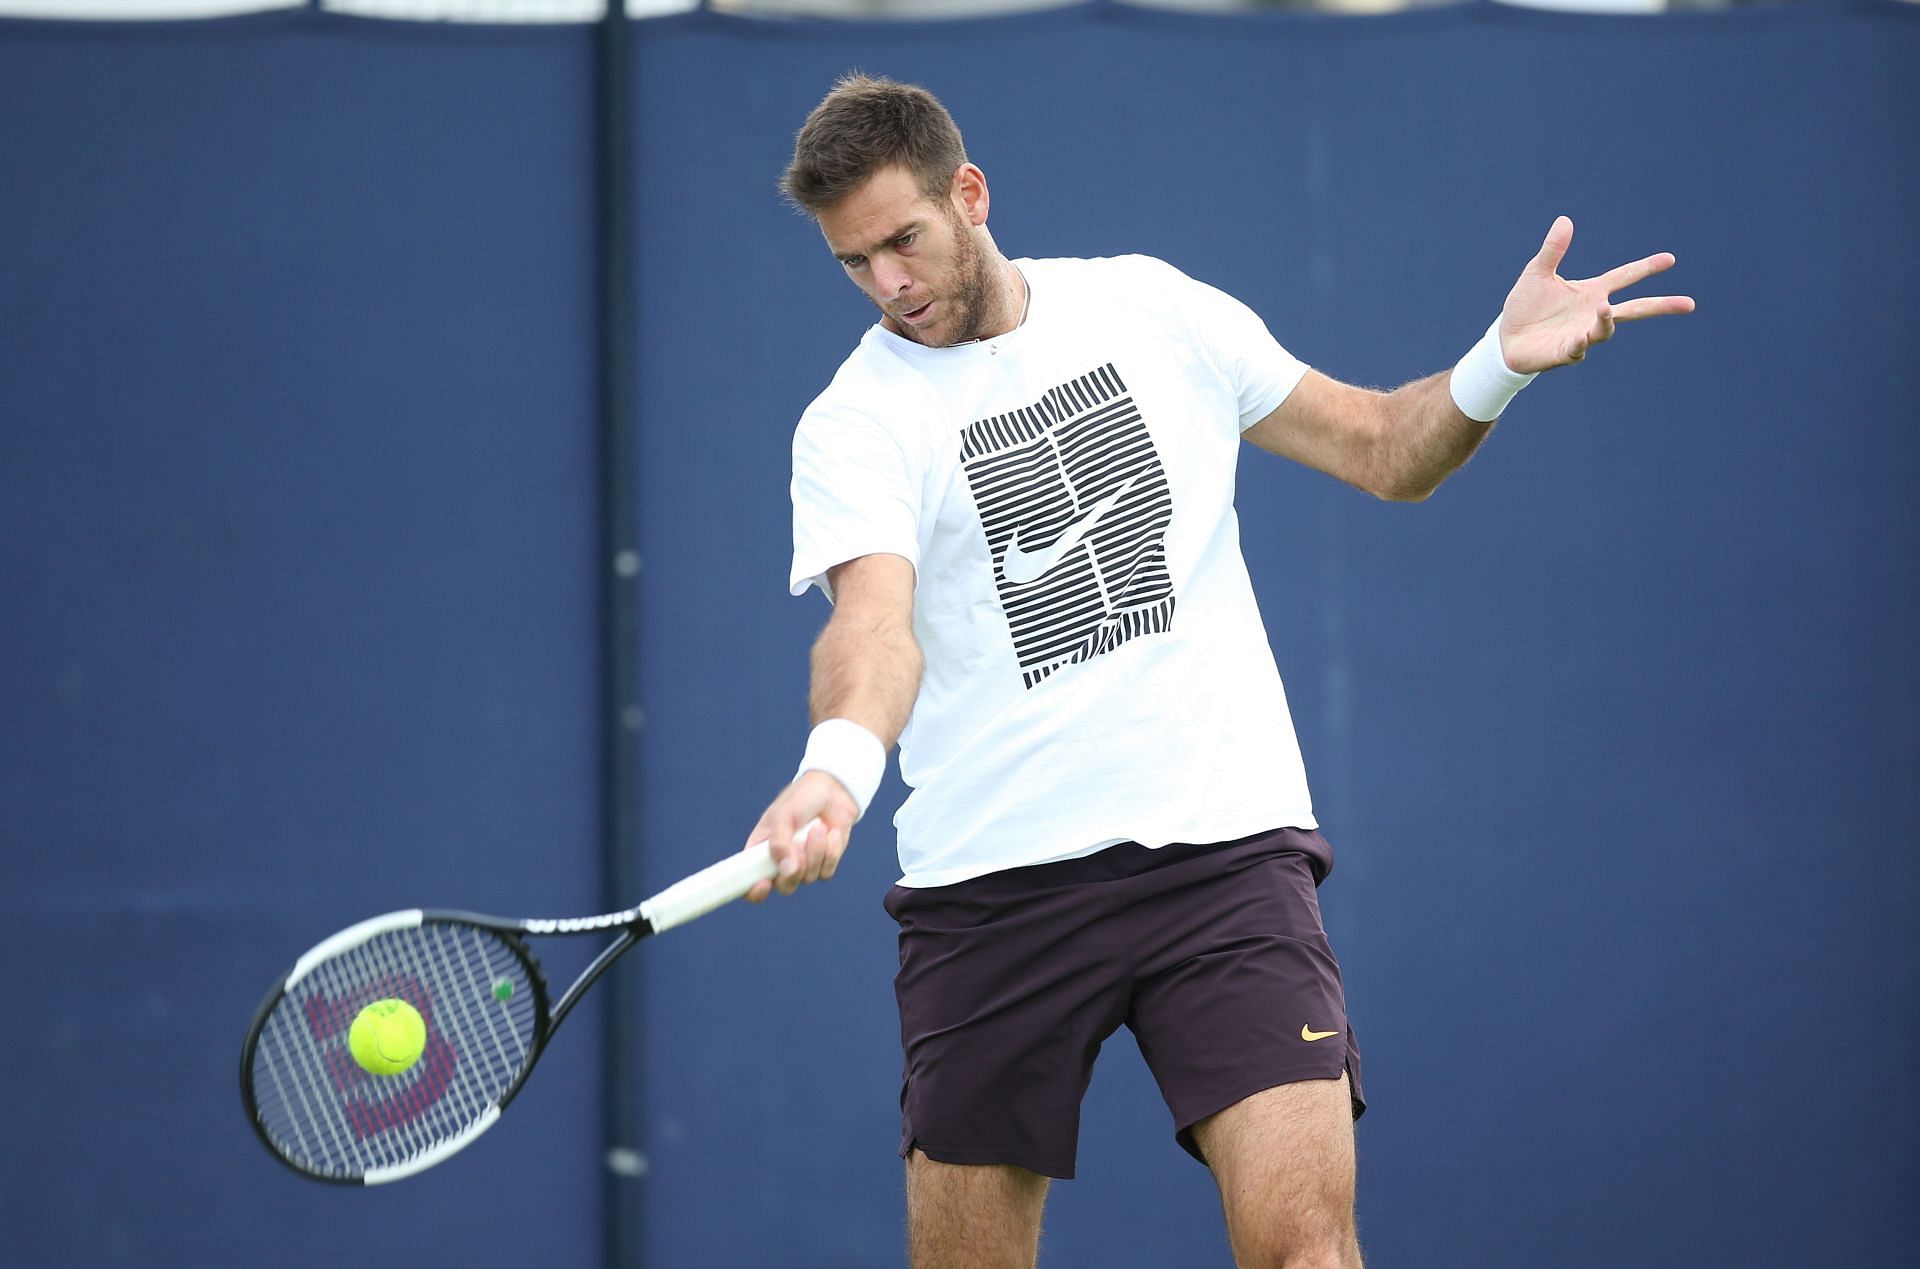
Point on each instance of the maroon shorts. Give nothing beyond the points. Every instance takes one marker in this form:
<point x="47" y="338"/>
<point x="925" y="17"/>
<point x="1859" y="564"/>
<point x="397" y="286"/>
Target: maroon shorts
<point x="1213" y="956"/>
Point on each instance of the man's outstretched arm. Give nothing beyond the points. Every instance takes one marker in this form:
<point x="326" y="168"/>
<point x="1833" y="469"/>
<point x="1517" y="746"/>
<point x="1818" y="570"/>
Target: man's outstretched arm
<point x="1402" y="444"/>
<point x="866" y="672"/>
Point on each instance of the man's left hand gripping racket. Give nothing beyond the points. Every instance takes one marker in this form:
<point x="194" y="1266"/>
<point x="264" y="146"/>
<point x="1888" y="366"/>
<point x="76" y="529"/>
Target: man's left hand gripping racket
<point x="482" y="1005"/>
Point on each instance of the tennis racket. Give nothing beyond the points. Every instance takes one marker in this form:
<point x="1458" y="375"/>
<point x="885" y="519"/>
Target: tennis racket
<point x="484" y="1003"/>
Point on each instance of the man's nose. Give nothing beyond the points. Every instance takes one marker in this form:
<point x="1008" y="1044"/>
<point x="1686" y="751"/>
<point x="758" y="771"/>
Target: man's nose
<point x="891" y="279"/>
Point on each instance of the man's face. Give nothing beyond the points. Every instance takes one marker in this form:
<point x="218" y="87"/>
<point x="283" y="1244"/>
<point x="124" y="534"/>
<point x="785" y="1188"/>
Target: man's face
<point x="918" y="260"/>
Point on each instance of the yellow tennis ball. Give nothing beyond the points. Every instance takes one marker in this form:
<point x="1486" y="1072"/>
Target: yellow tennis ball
<point x="387" y="1037"/>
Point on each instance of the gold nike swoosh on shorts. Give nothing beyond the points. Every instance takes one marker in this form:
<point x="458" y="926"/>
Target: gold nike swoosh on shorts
<point x="1307" y="1033"/>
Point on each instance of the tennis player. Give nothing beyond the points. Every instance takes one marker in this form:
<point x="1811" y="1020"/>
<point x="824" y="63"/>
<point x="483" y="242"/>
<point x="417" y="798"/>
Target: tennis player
<point x="1017" y="494"/>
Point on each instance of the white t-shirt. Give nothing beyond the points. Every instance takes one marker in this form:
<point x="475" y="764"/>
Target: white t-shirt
<point x="1096" y="667"/>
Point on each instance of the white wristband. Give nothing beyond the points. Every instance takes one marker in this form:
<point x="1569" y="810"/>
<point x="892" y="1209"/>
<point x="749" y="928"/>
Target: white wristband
<point x="850" y="754"/>
<point x="1481" y="384"/>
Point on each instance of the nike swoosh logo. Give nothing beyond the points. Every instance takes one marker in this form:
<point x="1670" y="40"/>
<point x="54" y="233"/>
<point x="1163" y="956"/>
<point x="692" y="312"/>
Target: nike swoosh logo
<point x="1305" y="1034"/>
<point x="1021" y="567"/>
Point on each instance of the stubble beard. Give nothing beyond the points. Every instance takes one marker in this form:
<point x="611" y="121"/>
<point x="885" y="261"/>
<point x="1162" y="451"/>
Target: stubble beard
<point x="970" y="294"/>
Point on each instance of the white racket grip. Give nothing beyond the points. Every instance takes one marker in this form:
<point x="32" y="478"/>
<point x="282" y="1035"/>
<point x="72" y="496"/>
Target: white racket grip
<point x="712" y="886"/>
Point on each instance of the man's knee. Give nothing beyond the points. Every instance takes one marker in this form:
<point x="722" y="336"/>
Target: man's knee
<point x="1297" y="1249"/>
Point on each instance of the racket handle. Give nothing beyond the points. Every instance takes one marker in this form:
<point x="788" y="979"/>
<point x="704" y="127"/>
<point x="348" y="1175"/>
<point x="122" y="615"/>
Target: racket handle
<point x="712" y="886"/>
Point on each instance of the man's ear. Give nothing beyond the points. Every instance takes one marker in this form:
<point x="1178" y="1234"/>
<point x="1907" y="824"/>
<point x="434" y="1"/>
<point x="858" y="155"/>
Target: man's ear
<point x="969" y="193"/>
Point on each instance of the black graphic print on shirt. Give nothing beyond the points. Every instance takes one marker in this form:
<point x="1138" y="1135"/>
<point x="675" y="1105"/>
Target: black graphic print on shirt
<point x="1075" y="506"/>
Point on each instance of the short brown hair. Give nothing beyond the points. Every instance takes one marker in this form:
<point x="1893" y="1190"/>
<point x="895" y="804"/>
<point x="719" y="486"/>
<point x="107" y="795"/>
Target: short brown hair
<point x="866" y="124"/>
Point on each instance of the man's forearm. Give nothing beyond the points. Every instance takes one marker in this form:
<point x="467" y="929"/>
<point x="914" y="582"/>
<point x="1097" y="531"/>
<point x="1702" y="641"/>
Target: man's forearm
<point x="867" y="669"/>
<point x="1422" y="438"/>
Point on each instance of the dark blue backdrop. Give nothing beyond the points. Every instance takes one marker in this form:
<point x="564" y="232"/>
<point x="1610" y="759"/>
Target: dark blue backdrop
<point x="296" y="530"/>
<point x="1615" y="737"/>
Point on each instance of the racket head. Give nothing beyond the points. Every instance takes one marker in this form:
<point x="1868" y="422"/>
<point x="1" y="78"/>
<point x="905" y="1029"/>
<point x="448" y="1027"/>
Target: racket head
<point x="484" y="1003"/>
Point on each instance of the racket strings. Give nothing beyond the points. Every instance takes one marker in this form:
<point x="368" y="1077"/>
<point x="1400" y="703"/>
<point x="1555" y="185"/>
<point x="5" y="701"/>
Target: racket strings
<point x="474" y="993"/>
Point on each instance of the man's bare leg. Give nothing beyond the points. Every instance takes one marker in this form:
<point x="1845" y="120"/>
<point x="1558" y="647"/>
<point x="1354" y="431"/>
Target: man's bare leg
<point x="964" y="1216"/>
<point x="1283" y="1159"/>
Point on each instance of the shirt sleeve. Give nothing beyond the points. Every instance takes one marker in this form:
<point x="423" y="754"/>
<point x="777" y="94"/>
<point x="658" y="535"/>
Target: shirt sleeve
<point x="1257" y="369"/>
<point x="856" y="491"/>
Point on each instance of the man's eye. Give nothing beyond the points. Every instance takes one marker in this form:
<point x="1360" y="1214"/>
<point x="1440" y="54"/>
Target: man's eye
<point x="853" y="262"/>
<point x="905" y="240"/>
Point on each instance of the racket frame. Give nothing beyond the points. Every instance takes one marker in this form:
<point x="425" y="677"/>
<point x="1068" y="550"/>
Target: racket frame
<point x="509" y="932"/>
<point x="686" y="899"/>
